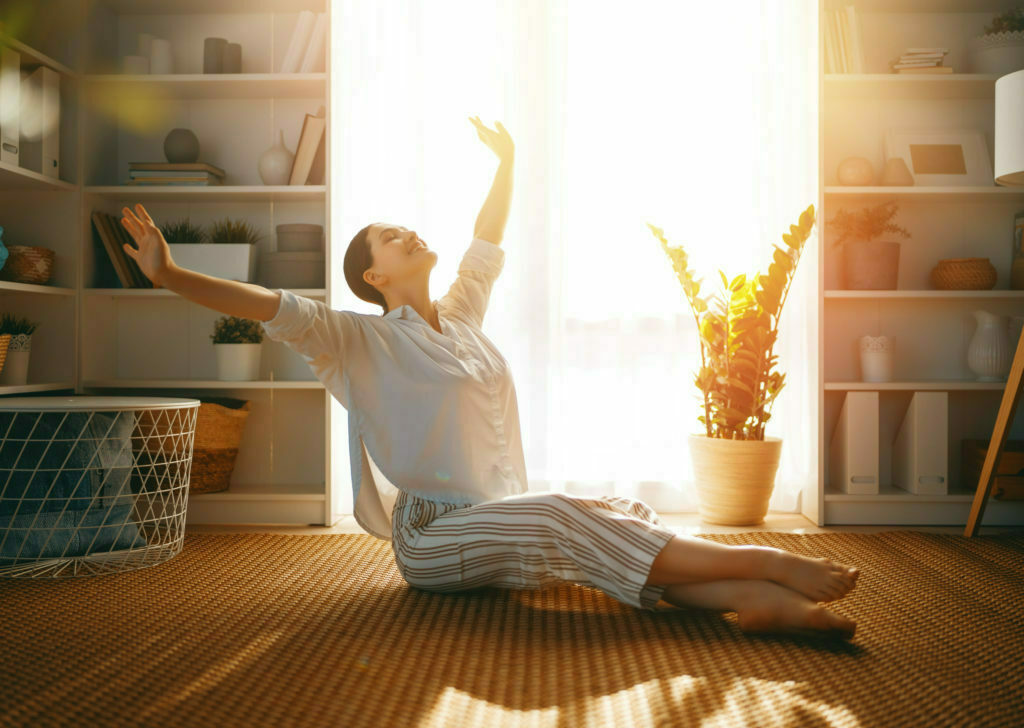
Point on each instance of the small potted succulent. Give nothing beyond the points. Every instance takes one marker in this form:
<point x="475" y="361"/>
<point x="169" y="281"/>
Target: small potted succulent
<point x="227" y="250"/>
<point x="236" y="344"/>
<point x="15" y="368"/>
<point x="1000" y="49"/>
<point x="868" y="263"/>
<point x="734" y="462"/>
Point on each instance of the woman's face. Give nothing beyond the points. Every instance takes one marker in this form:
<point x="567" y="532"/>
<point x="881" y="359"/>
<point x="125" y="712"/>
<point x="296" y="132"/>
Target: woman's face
<point x="399" y="256"/>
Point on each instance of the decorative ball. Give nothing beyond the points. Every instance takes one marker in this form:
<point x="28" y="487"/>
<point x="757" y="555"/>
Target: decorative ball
<point x="856" y="171"/>
<point x="181" y="146"/>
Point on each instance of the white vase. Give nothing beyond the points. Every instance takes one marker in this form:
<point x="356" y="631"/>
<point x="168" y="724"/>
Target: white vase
<point x="160" y="59"/>
<point x="275" y="164"/>
<point x="988" y="354"/>
<point x="238" y="362"/>
<point x="876" y="358"/>
<point x="15" y="371"/>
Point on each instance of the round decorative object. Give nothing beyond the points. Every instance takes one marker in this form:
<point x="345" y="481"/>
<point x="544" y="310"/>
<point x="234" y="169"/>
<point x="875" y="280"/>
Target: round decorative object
<point x="896" y="174"/>
<point x="856" y="171"/>
<point x="735" y="478"/>
<point x="970" y="274"/>
<point x="181" y="146"/>
<point x="275" y="165"/>
<point x="997" y="53"/>
<point x="107" y="479"/>
<point x="28" y="264"/>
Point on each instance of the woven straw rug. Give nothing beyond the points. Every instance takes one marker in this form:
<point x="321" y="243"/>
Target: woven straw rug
<point x="267" y="629"/>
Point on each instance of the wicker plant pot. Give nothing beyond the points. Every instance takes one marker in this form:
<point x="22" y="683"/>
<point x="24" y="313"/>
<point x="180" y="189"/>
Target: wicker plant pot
<point x="735" y="478"/>
<point x="219" y="425"/>
<point x="965" y="274"/>
<point x="28" y="264"/>
<point x="5" y="341"/>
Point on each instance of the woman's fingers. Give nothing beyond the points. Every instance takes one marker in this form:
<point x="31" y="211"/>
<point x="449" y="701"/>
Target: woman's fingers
<point x="131" y="252"/>
<point x="143" y="215"/>
<point x="133" y="229"/>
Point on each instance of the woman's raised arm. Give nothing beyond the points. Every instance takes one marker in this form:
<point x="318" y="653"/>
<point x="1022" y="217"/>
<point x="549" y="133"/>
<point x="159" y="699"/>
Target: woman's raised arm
<point x="234" y="298"/>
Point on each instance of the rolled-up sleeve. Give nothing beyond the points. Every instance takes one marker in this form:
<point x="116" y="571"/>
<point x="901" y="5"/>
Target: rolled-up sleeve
<point x="310" y="327"/>
<point x="470" y="294"/>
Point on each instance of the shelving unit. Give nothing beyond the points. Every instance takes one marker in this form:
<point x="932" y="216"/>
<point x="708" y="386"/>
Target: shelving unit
<point x="931" y="328"/>
<point x="151" y="341"/>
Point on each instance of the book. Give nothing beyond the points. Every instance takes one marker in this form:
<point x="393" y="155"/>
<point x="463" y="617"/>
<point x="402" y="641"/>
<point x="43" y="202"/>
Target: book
<point x="170" y="173"/>
<point x="177" y="166"/>
<point x="843" y="53"/>
<point x="315" y="49"/>
<point x="173" y="182"/>
<point x="300" y="40"/>
<point x="857" y="49"/>
<point x="830" y="45"/>
<point x="141" y="281"/>
<point x="933" y="69"/>
<point x="927" y="50"/>
<point x="190" y="176"/>
<point x="112" y="245"/>
<point x="310" y="139"/>
<point x="898" y="66"/>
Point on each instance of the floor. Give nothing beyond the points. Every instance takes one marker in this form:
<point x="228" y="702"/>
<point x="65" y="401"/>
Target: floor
<point x="679" y="522"/>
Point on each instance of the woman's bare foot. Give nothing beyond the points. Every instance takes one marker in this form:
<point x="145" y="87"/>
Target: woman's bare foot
<point x="817" y="578"/>
<point x="772" y="608"/>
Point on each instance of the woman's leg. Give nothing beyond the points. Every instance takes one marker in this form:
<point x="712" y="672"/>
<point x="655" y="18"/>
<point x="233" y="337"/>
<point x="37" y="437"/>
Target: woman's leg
<point x="688" y="559"/>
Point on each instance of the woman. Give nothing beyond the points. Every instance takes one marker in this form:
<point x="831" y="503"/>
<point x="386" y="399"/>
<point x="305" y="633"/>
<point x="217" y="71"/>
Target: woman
<point x="432" y="406"/>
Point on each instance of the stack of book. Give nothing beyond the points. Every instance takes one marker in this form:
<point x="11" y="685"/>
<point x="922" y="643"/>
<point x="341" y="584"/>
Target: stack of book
<point x="922" y="60"/>
<point x="843" y="47"/>
<point x="305" y="52"/>
<point x="308" y="163"/>
<point x="171" y="173"/>
<point x="112" y="238"/>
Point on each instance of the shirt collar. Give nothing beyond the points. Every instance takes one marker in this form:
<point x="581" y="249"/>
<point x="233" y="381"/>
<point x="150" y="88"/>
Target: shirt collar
<point x="405" y="311"/>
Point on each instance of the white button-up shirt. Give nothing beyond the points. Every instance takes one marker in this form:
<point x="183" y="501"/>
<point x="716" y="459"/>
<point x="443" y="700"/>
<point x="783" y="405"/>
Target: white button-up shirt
<point x="435" y="414"/>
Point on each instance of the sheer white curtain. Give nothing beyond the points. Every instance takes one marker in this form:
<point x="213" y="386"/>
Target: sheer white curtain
<point x="622" y="115"/>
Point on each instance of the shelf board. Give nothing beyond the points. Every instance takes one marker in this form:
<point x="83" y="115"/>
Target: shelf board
<point x="910" y="85"/>
<point x="908" y="293"/>
<point x="265" y="492"/>
<point x="210" y="86"/>
<point x="31" y="57"/>
<point x="216" y="193"/>
<point x="931" y="194"/>
<point x="26" y="388"/>
<point x="942" y="385"/>
<point x="35" y="288"/>
<point x="890" y="493"/>
<point x="165" y="293"/>
<point x="201" y="384"/>
<point x="13" y="177"/>
<point x="935" y="6"/>
<point x="168" y="7"/>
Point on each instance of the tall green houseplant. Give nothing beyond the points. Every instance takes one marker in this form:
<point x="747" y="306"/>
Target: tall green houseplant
<point x="737" y="333"/>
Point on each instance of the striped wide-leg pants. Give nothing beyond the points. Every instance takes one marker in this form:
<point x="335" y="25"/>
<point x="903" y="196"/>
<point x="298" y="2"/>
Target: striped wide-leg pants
<point x="529" y="541"/>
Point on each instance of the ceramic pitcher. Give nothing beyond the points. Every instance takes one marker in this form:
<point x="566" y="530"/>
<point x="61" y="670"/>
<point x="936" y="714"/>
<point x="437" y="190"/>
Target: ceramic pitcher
<point x="989" y="354"/>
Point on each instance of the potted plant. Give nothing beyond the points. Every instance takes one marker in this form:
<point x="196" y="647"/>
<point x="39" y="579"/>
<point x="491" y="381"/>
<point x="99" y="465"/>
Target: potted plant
<point x="15" y="368"/>
<point x="868" y="264"/>
<point x="733" y="461"/>
<point x="236" y="344"/>
<point x="1000" y="49"/>
<point x="227" y="251"/>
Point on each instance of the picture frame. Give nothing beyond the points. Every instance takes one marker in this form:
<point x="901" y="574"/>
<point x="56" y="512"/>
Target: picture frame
<point x="942" y="157"/>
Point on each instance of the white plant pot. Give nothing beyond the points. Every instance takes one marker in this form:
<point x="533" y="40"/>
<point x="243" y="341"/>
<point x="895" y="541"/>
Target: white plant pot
<point x="238" y="362"/>
<point x="998" y="53"/>
<point x="232" y="261"/>
<point x="15" y="371"/>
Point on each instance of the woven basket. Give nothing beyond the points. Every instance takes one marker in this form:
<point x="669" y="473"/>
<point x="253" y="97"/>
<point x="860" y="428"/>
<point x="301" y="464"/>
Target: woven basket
<point x="5" y="341"/>
<point x="973" y="274"/>
<point x="219" y="425"/>
<point x="28" y="264"/>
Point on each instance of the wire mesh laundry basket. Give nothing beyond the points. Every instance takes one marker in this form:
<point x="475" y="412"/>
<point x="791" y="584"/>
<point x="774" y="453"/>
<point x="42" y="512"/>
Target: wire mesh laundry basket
<point x="92" y="485"/>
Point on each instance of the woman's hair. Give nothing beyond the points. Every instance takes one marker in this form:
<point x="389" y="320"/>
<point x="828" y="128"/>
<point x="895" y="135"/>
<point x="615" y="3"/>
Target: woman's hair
<point x="358" y="259"/>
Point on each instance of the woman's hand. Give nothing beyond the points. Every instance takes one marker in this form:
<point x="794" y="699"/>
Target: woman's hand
<point x="499" y="141"/>
<point x="153" y="255"/>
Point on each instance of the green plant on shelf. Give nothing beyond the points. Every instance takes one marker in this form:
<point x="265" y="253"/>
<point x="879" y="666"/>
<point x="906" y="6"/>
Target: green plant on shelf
<point x="236" y="330"/>
<point x="1010" y="21"/>
<point x="182" y="231"/>
<point x="233" y="231"/>
<point x="865" y="224"/>
<point x="14" y="325"/>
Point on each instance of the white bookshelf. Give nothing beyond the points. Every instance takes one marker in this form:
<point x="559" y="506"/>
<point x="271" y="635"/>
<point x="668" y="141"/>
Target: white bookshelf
<point x="151" y="341"/>
<point x="931" y="328"/>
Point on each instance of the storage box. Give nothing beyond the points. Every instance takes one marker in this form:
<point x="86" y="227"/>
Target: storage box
<point x="300" y="238"/>
<point x="294" y="270"/>
<point x="1009" y="482"/>
<point x="920" y="453"/>
<point x="853" y="452"/>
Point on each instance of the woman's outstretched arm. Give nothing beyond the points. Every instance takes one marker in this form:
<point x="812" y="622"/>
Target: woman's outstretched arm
<point x="234" y="298"/>
<point x="490" y="223"/>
